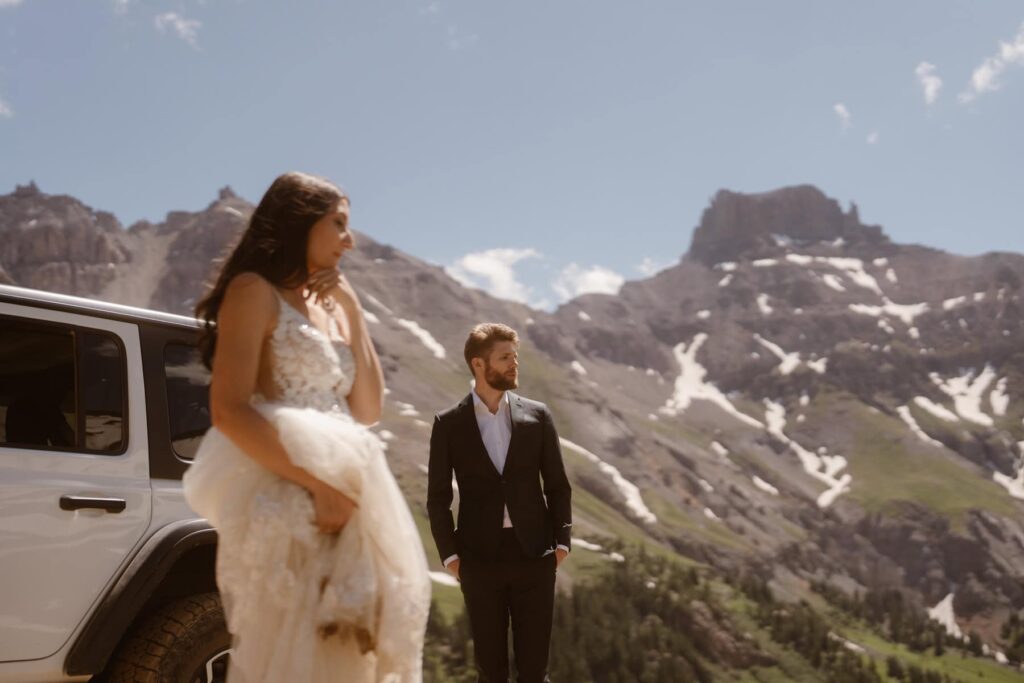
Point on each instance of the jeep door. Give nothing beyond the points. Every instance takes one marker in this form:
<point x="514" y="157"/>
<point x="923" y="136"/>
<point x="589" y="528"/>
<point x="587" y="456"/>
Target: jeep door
<point x="74" y="473"/>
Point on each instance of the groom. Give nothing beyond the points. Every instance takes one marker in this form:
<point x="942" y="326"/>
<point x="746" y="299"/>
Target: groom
<point x="511" y="533"/>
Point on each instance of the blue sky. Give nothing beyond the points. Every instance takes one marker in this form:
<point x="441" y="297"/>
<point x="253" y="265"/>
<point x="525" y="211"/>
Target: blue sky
<point x="539" y="149"/>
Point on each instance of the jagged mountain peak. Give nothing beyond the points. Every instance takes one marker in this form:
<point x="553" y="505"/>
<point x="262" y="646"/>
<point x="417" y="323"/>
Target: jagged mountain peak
<point x="30" y="190"/>
<point x="226" y="192"/>
<point x="738" y="224"/>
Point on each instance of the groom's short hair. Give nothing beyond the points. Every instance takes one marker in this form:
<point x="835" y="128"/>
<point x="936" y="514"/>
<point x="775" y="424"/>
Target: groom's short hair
<point x="483" y="337"/>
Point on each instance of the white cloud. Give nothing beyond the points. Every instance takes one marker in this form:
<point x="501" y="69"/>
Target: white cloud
<point x="494" y="272"/>
<point x="843" y="113"/>
<point x="985" y="77"/>
<point x="430" y="8"/>
<point x="186" y="29"/>
<point x="575" y="280"/>
<point x="9" y="3"/>
<point x="872" y="138"/>
<point x="121" y="6"/>
<point x="931" y="83"/>
<point x="5" y="110"/>
<point x="649" y="266"/>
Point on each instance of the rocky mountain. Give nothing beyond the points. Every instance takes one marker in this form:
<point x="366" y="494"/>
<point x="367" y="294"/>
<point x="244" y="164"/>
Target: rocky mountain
<point x="799" y="399"/>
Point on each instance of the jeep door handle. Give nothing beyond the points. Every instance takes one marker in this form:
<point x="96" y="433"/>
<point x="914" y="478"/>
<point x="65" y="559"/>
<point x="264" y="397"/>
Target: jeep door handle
<point x="79" y="502"/>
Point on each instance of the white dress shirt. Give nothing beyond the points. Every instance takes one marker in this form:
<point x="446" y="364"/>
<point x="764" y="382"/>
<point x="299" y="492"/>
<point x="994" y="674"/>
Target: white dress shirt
<point x="496" y="432"/>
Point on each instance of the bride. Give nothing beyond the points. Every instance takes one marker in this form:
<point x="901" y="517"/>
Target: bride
<point x="319" y="563"/>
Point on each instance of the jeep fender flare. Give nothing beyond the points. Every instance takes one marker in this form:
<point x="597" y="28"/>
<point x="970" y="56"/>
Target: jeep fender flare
<point x="130" y="592"/>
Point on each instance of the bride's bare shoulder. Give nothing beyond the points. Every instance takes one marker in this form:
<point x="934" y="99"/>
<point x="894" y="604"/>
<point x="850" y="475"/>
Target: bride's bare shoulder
<point x="250" y="293"/>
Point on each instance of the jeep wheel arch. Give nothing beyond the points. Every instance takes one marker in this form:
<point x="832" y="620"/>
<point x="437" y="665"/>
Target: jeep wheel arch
<point x="186" y="545"/>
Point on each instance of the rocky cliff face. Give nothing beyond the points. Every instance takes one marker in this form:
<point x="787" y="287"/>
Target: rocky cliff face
<point x="57" y="243"/>
<point x="798" y="393"/>
<point x="737" y="225"/>
<point x="877" y="369"/>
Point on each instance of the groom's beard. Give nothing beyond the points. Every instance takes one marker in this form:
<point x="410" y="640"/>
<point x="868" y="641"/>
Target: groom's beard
<point x="501" y="382"/>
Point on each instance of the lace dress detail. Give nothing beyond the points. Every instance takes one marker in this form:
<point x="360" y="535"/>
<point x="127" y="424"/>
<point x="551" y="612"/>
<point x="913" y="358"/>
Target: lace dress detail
<point x="303" y="606"/>
<point x="309" y="370"/>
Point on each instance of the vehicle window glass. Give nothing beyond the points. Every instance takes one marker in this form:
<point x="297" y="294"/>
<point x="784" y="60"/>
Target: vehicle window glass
<point x="188" y="398"/>
<point x="101" y="392"/>
<point x="37" y="385"/>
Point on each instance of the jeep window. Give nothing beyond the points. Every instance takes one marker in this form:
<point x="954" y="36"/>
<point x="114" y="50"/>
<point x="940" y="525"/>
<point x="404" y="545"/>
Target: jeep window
<point x="188" y="398"/>
<point x="102" y="392"/>
<point x="61" y="388"/>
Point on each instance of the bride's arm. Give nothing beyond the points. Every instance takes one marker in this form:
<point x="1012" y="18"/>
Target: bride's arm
<point x="366" y="400"/>
<point x="243" y="322"/>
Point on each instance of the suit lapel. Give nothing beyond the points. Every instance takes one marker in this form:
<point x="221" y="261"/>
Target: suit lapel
<point x="473" y="430"/>
<point x="515" y="407"/>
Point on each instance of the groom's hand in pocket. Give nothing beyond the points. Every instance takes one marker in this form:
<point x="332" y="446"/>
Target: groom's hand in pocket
<point x="454" y="567"/>
<point x="332" y="507"/>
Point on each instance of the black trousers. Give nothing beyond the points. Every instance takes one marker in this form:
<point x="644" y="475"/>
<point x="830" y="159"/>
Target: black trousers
<point x="513" y="589"/>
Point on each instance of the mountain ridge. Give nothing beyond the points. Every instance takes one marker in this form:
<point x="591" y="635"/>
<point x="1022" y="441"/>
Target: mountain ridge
<point x="828" y="404"/>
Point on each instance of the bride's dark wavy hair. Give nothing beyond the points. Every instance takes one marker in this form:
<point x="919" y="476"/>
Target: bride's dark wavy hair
<point x="273" y="245"/>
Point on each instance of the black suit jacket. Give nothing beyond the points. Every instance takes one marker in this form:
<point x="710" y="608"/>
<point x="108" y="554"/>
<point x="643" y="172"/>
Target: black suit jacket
<point x="542" y="518"/>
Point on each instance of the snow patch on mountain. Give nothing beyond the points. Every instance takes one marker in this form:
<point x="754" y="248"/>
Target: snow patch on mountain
<point x="425" y="337"/>
<point x="376" y="302"/>
<point x="822" y="467"/>
<point x="723" y="455"/>
<point x="907" y="416"/>
<point x="834" y="282"/>
<point x="818" y="365"/>
<point x="951" y="303"/>
<point x="943" y="613"/>
<point x="788" y="361"/>
<point x="691" y="385"/>
<point x="937" y="409"/>
<point x="966" y="392"/>
<point x="854" y="269"/>
<point x="586" y="545"/>
<point x="999" y="399"/>
<point x="406" y="409"/>
<point x="765" y="486"/>
<point x="627" y="488"/>
<point x="1013" y="485"/>
<point x="905" y="312"/>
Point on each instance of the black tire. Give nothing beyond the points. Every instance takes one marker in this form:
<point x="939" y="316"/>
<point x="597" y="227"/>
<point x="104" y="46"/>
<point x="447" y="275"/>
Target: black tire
<point x="184" y="641"/>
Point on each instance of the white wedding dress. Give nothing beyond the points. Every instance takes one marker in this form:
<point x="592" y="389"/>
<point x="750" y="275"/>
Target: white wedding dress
<point x="307" y="607"/>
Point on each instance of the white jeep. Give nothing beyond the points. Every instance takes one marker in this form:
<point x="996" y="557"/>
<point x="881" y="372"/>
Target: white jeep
<point x="105" y="572"/>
